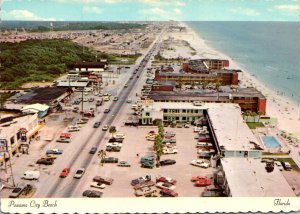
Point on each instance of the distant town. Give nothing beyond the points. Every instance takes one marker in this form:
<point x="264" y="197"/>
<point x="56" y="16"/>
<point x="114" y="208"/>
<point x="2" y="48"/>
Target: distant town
<point x="135" y="112"/>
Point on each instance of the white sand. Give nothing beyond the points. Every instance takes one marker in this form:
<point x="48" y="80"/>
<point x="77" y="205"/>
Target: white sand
<point x="286" y="110"/>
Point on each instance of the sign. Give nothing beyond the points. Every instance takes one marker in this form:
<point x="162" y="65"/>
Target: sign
<point x="144" y="102"/>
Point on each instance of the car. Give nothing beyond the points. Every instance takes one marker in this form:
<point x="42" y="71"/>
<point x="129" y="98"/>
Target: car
<point x="54" y="151"/>
<point x="113" y="139"/>
<point x="203" y="182"/>
<point x="107" y="110"/>
<point x="287" y="166"/>
<point x="97" y="124"/>
<point x="198" y="178"/>
<point x="147" y="159"/>
<point x="75" y="109"/>
<point x="140" y="180"/>
<point x="16" y="192"/>
<point x="147" y="165"/>
<point x="279" y="165"/>
<point x="170" y="151"/>
<point x="168" y="193"/>
<point x="167" y="162"/>
<point x="114" y="144"/>
<point x="98" y="185"/>
<point x="166" y="180"/>
<point x="125" y="86"/>
<point x="65" y="135"/>
<point x="63" y="140"/>
<point x="81" y="121"/>
<point x="45" y="161"/>
<point x="93" y="150"/>
<point x="64" y="173"/>
<point x="85" y="99"/>
<point x="200" y="163"/>
<point x="92" y="194"/>
<point x="145" y="191"/>
<point x="91" y="99"/>
<point x="79" y="173"/>
<point x="110" y="160"/>
<point x="162" y="185"/>
<point x="123" y="164"/>
<point x="105" y="128"/>
<point x="144" y="184"/>
<point x="105" y="180"/>
<point x="113" y="148"/>
<point x="129" y="100"/>
<point x="115" y="99"/>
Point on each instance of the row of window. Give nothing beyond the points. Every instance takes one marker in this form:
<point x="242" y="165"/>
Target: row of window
<point x="183" y="111"/>
<point x="167" y="118"/>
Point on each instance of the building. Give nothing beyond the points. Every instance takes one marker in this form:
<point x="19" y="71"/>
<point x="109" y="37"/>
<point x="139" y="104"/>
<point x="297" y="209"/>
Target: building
<point x="249" y="99"/>
<point x="16" y="133"/>
<point x="40" y="109"/>
<point x="163" y="86"/>
<point x="90" y="66"/>
<point x="222" y="77"/>
<point x="204" y="65"/>
<point x="248" y="178"/>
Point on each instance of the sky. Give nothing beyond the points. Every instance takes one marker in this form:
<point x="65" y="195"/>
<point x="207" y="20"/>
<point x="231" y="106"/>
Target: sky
<point x="151" y="10"/>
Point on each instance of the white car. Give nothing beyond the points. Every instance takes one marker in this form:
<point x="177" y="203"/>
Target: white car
<point x="170" y="151"/>
<point x="79" y="173"/>
<point x="98" y="185"/>
<point x="279" y="165"/>
<point x="163" y="185"/>
<point x="197" y="129"/>
<point x="114" y="144"/>
<point x="200" y="163"/>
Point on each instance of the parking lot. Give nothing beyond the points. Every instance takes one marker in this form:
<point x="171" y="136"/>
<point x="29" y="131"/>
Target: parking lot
<point x="135" y="143"/>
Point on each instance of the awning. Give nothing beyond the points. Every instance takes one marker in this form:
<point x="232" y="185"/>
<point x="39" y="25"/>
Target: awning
<point x="35" y="130"/>
<point x="15" y="148"/>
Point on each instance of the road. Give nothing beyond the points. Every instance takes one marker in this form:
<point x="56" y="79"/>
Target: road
<point x="77" y="155"/>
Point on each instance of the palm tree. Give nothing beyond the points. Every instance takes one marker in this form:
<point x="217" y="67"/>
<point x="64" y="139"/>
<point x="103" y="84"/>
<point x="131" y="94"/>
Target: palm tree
<point x="101" y="155"/>
<point x="112" y="130"/>
<point x="158" y="148"/>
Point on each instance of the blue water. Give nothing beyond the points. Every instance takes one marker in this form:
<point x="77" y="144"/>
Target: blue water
<point x="270" y="51"/>
<point x="270" y="142"/>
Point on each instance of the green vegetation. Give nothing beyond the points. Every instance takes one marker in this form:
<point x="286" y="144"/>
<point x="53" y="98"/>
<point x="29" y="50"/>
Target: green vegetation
<point x="255" y="125"/>
<point x="45" y="60"/>
<point x="158" y="146"/>
<point x="4" y="97"/>
<point x="160" y="59"/>
<point x="291" y="161"/>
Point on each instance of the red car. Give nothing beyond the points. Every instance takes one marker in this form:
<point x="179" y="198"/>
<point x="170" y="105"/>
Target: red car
<point x="198" y="178"/>
<point x="65" y="135"/>
<point x="203" y="183"/>
<point x="166" y="180"/>
<point x="168" y="193"/>
<point x="64" y="173"/>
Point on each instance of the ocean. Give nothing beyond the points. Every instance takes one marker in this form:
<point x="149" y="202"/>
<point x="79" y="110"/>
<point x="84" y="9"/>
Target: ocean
<point x="270" y="51"/>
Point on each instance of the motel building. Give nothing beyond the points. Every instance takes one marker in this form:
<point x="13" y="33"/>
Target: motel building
<point x="239" y="169"/>
<point x="16" y="133"/>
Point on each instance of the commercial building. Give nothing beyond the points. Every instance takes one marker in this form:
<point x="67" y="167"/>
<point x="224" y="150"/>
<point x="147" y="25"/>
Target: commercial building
<point x="40" y="109"/>
<point x="249" y="99"/>
<point x="163" y="86"/>
<point x="90" y="66"/>
<point x="204" y="65"/>
<point x="222" y="77"/>
<point x="16" y="133"/>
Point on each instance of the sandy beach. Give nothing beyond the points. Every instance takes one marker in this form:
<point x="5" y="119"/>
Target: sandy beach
<point x="285" y="110"/>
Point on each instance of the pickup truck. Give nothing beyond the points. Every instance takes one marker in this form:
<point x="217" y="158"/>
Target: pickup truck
<point x="144" y="184"/>
<point x="105" y="180"/>
<point x="54" y="151"/>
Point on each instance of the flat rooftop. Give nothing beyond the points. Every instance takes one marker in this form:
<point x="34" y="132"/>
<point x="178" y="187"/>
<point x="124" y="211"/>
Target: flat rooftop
<point x="71" y="84"/>
<point x="230" y="130"/>
<point x="249" y="178"/>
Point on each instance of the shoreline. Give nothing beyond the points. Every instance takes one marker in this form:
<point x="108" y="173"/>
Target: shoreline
<point x="286" y="110"/>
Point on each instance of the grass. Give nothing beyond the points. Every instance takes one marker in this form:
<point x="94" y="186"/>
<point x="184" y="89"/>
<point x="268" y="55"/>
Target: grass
<point x="273" y="154"/>
<point x="289" y="160"/>
<point x="254" y="125"/>
<point x="4" y="97"/>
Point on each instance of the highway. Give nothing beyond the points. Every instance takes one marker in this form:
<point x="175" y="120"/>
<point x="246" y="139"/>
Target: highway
<point x="76" y="158"/>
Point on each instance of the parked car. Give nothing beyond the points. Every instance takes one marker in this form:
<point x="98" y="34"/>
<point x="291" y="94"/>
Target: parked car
<point x="63" y="140"/>
<point x="147" y="165"/>
<point x="129" y="100"/>
<point x="279" y="165"/>
<point x="145" y="191"/>
<point x="107" y="110"/>
<point x="91" y="99"/>
<point x="113" y="148"/>
<point x="147" y="159"/>
<point x="16" y="192"/>
<point x="54" y="151"/>
<point x="287" y="166"/>
<point x="105" y="180"/>
<point x="105" y="128"/>
<point x="92" y="194"/>
<point x="203" y="182"/>
<point x="97" y="124"/>
<point x="31" y="175"/>
<point x="140" y="180"/>
<point x="79" y="173"/>
<point x="114" y="144"/>
<point x="168" y="193"/>
<point x="170" y="151"/>
<point x="115" y="99"/>
<point x="113" y="139"/>
<point x="45" y="161"/>
<point x="144" y="184"/>
<point x="166" y="180"/>
<point x="163" y="185"/>
<point x="110" y="160"/>
<point x="93" y="150"/>
<point x="200" y="163"/>
<point x="124" y="164"/>
<point x="64" y="173"/>
<point x="197" y="178"/>
<point x="125" y="86"/>
<point x="98" y="185"/>
<point x="167" y="162"/>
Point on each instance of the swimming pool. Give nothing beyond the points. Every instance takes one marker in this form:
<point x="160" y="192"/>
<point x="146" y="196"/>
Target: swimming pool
<point x="270" y="142"/>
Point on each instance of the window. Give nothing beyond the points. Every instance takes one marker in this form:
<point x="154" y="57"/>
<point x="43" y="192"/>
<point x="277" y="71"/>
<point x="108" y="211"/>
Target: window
<point x="12" y="140"/>
<point x="196" y="111"/>
<point x="183" y="118"/>
<point x="183" y="110"/>
<point x="177" y="118"/>
<point x="165" y="118"/>
<point x="147" y="114"/>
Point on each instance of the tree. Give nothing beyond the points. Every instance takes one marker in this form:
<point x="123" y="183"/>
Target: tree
<point x="112" y="130"/>
<point x="158" y="148"/>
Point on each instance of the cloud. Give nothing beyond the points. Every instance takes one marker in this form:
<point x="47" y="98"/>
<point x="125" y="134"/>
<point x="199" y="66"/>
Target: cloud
<point x="287" y="8"/>
<point x="24" y="15"/>
<point x="163" y="2"/>
<point x="92" y="9"/>
<point x="245" y="11"/>
<point x="158" y="14"/>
